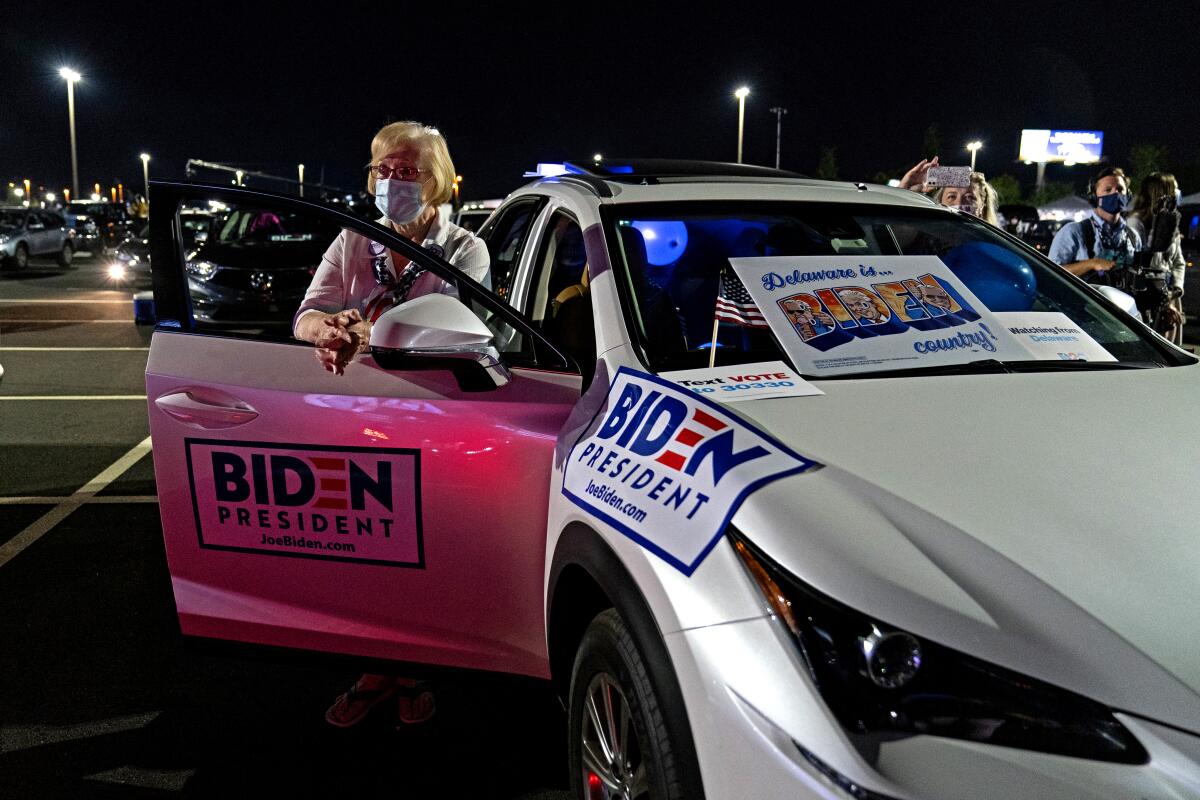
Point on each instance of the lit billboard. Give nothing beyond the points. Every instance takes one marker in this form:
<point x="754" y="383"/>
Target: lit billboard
<point x="1068" y="147"/>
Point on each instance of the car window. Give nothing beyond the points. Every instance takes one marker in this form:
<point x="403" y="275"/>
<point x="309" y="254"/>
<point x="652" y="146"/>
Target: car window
<point x="559" y="301"/>
<point x="505" y="237"/>
<point x="674" y="256"/>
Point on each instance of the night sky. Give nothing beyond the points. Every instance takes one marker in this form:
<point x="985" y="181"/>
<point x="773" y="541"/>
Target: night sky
<point x="267" y="87"/>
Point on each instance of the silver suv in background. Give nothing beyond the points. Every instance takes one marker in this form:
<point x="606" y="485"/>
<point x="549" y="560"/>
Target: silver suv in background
<point x="26" y="232"/>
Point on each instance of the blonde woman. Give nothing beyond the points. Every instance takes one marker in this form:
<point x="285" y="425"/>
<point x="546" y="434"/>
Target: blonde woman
<point x="410" y="175"/>
<point x="978" y="199"/>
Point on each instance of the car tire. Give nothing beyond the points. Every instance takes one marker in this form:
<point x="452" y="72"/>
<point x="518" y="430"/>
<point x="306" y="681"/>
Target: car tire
<point x="66" y="256"/>
<point x="20" y="258"/>
<point x="610" y="681"/>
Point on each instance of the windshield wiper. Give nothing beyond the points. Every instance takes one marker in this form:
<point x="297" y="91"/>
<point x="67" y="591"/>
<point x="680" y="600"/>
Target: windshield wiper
<point x="992" y="366"/>
<point x="987" y="366"/>
<point x="1076" y="366"/>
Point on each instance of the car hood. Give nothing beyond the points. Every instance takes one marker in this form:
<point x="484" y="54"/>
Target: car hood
<point x="1046" y="522"/>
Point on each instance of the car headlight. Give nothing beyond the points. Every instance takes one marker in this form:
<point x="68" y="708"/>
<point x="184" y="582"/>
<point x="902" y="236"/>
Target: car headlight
<point x="4" y="237"/>
<point x="201" y="270"/>
<point x="884" y="683"/>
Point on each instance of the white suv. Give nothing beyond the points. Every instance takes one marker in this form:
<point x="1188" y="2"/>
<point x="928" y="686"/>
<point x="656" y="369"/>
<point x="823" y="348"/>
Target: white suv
<point x="927" y="564"/>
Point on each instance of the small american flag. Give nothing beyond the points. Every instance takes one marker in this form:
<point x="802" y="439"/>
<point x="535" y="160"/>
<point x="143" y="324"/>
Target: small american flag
<point x="735" y="305"/>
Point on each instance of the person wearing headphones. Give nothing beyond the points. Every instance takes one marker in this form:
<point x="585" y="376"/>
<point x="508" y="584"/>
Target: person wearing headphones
<point x="1092" y="246"/>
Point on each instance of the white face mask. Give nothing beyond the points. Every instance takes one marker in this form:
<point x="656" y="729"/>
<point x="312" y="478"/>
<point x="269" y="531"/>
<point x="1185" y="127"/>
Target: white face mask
<point x="399" y="201"/>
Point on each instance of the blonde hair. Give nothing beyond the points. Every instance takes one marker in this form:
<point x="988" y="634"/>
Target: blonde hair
<point x="986" y="199"/>
<point x="434" y="156"/>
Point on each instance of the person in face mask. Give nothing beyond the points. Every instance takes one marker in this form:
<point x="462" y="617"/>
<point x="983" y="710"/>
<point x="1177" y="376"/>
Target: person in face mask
<point x="978" y="199"/>
<point x="1094" y="245"/>
<point x="410" y="175"/>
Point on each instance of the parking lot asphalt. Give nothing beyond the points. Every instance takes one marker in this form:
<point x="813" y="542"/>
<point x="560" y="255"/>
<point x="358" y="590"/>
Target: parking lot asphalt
<point x="99" y="697"/>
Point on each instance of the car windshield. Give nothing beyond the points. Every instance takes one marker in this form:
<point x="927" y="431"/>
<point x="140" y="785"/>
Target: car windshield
<point x="87" y="208"/>
<point x="835" y="311"/>
<point x="255" y="226"/>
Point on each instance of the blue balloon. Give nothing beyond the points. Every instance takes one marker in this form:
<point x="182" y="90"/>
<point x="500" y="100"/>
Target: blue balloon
<point x="665" y="240"/>
<point x="999" y="277"/>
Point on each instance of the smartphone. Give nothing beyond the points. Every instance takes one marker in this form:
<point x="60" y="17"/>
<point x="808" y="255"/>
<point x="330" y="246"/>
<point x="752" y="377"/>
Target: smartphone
<point x="949" y="176"/>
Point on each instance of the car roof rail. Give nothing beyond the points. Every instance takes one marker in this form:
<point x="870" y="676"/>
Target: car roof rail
<point x="597" y="185"/>
<point x="639" y="170"/>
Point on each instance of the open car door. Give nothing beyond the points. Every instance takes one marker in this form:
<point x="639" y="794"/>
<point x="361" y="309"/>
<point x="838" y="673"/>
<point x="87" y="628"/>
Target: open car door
<point x="389" y="512"/>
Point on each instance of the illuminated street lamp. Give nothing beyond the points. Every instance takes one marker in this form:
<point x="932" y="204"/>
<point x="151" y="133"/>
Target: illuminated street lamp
<point x="239" y="175"/>
<point x="597" y="158"/>
<point x="740" y="94"/>
<point x="27" y="192"/>
<point x="457" y="181"/>
<point x="974" y="148"/>
<point x="71" y="77"/>
<point x="301" y="180"/>
<point x="145" y="157"/>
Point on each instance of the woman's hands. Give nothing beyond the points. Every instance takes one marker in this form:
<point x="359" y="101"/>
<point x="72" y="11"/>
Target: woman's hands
<point x="339" y="337"/>
<point x="915" y="178"/>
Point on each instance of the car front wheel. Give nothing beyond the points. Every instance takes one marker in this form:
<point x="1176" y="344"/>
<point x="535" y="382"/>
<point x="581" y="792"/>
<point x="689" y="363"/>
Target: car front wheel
<point x="621" y="745"/>
<point x="65" y="255"/>
<point x="20" y="259"/>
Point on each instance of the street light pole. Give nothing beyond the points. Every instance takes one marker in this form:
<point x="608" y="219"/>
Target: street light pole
<point x="740" y="94"/>
<point x="778" y="111"/>
<point x="71" y="76"/>
<point x="145" y="157"/>
<point x="974" y="148"/>
<point x="302" y="180"/>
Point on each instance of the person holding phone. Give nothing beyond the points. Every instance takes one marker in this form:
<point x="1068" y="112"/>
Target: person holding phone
<point x="954" y="187"/>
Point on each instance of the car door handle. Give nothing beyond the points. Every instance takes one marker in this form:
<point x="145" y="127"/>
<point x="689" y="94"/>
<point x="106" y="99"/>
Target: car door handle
<point x="197" y="412"/>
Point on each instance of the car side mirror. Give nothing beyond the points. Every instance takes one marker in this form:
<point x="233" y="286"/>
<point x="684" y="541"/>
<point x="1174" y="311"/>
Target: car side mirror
<point x="1120" y="299"/>
<point x="436" y="331"/>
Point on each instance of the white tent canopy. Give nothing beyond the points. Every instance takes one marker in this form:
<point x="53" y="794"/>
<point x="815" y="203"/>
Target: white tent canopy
<point x="1073" y="208"/>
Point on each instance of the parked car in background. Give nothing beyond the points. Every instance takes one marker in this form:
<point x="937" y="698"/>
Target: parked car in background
<point x="1041" y="234"/>
<point x="472" y="215"/>
<point x="99" y="225"/>
<point x="26" y="232"/>
<point x="131" y="263"/>
<point x="254" y="266"/>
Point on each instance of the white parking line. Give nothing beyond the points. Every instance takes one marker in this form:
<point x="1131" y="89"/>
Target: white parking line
<point x="16" y="545"/>
<point x="60" y="302"/>
<point x="23" y="737"/>
<point x="72" y="397"/>
<point x="61" y="321"/>
<point x="69" y="349"/>
<point x="46" y="500"/>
